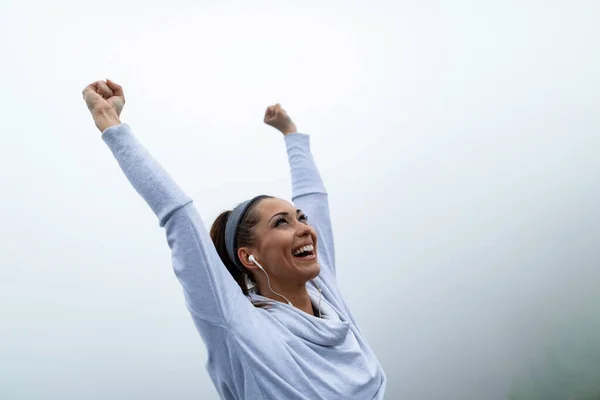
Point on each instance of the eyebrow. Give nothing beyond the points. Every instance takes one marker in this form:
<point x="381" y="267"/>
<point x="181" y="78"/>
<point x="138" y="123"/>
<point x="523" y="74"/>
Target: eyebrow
<point x="298" y="211"/>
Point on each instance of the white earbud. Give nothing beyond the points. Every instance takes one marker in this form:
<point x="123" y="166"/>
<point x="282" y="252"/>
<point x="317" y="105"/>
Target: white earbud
<point x="253" y="260"/>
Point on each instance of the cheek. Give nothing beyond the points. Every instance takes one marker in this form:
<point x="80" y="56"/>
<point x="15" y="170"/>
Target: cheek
<point x="277" y="244"/>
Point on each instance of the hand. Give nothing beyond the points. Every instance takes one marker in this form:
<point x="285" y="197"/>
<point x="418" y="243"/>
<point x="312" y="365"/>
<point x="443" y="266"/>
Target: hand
<point x="105" y="100"/>
<point x="276" y="117"/>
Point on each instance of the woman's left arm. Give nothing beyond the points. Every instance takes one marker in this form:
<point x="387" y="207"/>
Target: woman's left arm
<point x="308" y="190"/>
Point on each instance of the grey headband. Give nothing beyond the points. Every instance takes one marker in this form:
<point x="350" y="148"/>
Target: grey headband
<point x="231" y="229"/>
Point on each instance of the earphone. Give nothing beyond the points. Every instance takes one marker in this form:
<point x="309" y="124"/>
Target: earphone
<point x="252" y="259"/>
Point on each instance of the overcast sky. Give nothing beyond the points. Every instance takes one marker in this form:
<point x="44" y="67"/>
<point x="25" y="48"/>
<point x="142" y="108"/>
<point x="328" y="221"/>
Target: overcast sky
<point x="459" y="141"/>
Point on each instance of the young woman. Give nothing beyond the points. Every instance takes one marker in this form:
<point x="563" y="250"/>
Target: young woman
<point x="261" y="287"/>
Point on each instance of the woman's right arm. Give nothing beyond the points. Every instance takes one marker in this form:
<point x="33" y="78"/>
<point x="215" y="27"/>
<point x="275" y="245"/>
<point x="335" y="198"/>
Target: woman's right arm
<point x="211" y="293"/>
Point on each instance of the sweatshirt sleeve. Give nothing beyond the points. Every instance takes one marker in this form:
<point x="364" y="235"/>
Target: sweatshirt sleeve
<point x="309" y="195"/>
<point x="211" y="294"/>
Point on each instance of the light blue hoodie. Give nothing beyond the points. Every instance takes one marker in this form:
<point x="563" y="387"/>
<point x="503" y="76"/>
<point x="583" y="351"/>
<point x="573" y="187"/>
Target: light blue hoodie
<point x="254" y="353"/>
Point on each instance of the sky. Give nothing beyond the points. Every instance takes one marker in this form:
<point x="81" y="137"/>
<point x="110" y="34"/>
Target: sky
<point x="458" y="141"/>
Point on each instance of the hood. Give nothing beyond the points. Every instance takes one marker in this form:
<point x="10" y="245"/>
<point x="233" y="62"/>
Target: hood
<point x="330" y="330"/>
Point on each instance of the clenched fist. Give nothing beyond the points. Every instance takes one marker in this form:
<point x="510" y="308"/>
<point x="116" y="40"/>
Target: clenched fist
<point x="105" y="100"/>
<point x="276" y="117"/>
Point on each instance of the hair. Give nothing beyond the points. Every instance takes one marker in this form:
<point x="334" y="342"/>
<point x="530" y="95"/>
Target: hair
<point x="246" y="236"/>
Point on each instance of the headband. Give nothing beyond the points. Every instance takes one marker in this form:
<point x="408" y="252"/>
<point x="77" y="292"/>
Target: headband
<point x="231" y="229"/>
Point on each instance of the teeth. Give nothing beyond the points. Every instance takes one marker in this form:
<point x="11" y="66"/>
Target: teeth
<point x="309" y="247"/>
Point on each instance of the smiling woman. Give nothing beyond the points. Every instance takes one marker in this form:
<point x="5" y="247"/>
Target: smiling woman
<point x="286" y="248"/>
<point x="306" y="344"/>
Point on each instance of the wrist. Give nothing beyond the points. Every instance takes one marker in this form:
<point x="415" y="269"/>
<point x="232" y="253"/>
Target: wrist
<point x="103" y="125"/>
<point x="105" y="120"/>
<point x="289" y="129"/>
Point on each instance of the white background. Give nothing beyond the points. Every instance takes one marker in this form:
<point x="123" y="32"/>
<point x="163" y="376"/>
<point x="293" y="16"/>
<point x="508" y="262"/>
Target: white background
<point x="458" y="141"/>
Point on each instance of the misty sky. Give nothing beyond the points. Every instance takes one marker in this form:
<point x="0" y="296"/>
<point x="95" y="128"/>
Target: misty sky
<point x="459" y="142"/>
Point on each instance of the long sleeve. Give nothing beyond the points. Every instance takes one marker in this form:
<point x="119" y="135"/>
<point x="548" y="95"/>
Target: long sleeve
<point x="211" y="294"/>
<point x="309" y="194"/>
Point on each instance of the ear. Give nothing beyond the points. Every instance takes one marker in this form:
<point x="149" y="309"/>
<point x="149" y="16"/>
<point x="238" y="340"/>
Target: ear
<point x="244" y="256"/>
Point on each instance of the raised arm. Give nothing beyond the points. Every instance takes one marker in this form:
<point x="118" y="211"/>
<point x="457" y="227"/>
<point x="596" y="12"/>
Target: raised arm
<point x="211" y="294"/>
<point x="308" y="190"/>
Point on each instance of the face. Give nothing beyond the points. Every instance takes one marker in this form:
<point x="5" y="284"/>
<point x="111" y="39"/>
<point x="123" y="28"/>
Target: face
<point x="286" y="245"/>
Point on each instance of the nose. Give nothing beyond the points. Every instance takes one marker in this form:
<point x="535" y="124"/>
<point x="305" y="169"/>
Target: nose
<point x="303" y="230"/>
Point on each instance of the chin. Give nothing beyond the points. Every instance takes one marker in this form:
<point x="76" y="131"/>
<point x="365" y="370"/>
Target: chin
<point x="313" y="270"/>
<point x="310" y="268"/>
<point x="317" y="271"/>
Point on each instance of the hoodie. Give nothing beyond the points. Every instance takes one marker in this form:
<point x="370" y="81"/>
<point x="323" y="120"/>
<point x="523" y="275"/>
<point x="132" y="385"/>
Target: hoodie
<point x="278" y="352"/>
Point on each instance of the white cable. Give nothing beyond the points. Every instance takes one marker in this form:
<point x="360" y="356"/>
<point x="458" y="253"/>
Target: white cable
<point x="252" y="259"/>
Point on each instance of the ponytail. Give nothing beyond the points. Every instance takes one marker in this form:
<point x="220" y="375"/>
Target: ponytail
<point x="217" y="234"/>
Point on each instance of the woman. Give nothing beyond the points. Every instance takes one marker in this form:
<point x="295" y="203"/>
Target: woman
<point x="261" y="287"/>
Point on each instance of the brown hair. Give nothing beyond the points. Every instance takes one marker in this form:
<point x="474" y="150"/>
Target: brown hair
<point x="245" y="237"/>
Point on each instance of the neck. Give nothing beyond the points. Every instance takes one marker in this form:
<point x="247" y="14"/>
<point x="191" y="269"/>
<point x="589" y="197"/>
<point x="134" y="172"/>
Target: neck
<point x="297" y="295"/>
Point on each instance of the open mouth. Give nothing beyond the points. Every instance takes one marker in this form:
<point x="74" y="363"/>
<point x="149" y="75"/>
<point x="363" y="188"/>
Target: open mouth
<point x="305" y="251"/>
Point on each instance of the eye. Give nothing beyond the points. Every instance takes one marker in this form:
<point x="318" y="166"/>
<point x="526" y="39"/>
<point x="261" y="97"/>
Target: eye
<point x="280" y="220"/>
<point x="303" y="218"/>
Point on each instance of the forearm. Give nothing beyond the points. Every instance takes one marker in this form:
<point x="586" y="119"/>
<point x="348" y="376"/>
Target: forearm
<point x="145" y="174"/>
<point x="309" y="194"/>
<point x="305" y="174"/>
